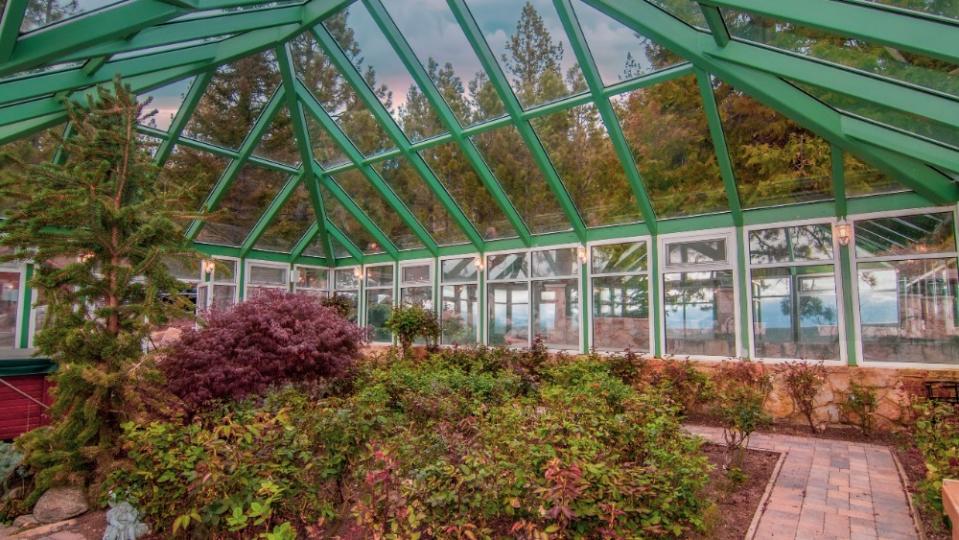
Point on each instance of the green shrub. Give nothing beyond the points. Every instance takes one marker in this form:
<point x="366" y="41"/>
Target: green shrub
<point x="411" y="322"/>
<point x="803" y="381"/>
<point x="936" y="435"/>
<point x="741" y="389"/>
<point x="859" y="405"/>
<point x="685" y="385"/>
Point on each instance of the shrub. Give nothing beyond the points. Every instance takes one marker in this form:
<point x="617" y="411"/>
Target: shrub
<point x="859" y="405"/>
<point x="340" y="304"/>
<point x="273" y="338"/>
<point x="411" y="322"/>
<point x="687" y="386"/>
<point x="936" y="434"/>
<point x="741" y="388"/>
<point x="803" y="381"/>
<point x="629" y="366"/>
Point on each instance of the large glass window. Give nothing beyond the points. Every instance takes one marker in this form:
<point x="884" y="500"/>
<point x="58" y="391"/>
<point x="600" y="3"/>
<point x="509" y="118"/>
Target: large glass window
<point x="264" y="277"/>
<point x="459" y="314"/>
<point x="699" y="298"/>
<point x="620" y="286"/>
<point x="346" y="284"/>
<point x="379" y="301"/>
<point x="219" y="289"/>
<point x="794" y="307"/>
<point x="907" y="288"/>
<point x="311" y="280"/>
<point x="416" y="284"/>
<point x="10" y="282"/>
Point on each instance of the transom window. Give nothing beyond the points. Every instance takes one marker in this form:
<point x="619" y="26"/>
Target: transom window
<point x="416" y="284"/>
<point x="311" y="280"/>
<point x="264" y="277"/>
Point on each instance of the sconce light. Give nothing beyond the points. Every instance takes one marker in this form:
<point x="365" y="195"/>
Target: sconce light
<point x="843" y="231"/>
<point x="583" y="254"/>
<point x="358" y="272"/>
<point x="478" y="262"/>
<point x="208" y="265"/>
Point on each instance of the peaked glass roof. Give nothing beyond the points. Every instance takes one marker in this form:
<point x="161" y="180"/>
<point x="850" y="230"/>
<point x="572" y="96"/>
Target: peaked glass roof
<point x="407" y="128"/>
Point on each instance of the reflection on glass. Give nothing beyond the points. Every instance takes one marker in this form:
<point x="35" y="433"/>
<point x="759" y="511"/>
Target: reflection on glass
<point x="708" y="251"/>
<point x="379" y="276"/>
<point x="863" y="179"/>
<point x="583" y="156"/>
<point x="700" y="313"/>
<point x="316" y="248"/>
<point x="615" y="258"/>
<point x="556" y="313"/>
<point x="943" y="8"/>
<point x="345" y="278"/>
<point x="353" y="301"/>
<point x="555" y="263"/>
<point x="684" y="10"/>
<point x="775" y="160"/>
<point x="908" y="311"/>
<point x="312" y="278"/>
<point x="411" y="188"/>
<point x="512" y="164"/>
<point x="9" y="307"/>
<point x="419" y="274"/>
<point x="379" y="304"/>
<point x="529" y="41"/>
<point x="325" y="151"/>
<point x="224" y="296"/>
<point x="417" y="296"/>
<point x="508" y="314"/>
<point x="905" y="235"/>
<point x="268" y="275"/>
<point x="459" y="270"/>
<point x="459" y="318"/>
<point x="666" y="129"/>
<point x="166" y="101"/>
<point x="290" y="223"/>
<point x="790" y="244"/>
<point x="251" y="193"/>
<point x="277" y="143"/>
<point x="40" y="13"/>
<point x="507" y="266"/>
<point x="621" y="313"/>
<point x="460" y="180"/>
<point x="361" y="190"/>
<point x="795" y="313"/>
<point x="350" y="227"/>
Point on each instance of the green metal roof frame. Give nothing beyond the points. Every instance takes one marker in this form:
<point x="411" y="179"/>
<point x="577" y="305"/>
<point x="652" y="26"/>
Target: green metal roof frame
<point x="162" y="47"/>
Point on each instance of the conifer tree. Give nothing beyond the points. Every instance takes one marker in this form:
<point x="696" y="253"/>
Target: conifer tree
<point x="98" y="227"/>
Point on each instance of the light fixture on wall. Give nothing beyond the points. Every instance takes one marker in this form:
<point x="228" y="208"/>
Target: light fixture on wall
<point x="358" y="272"/>
<point x="478" y="262"/>
<point x="583" y="254"/>
<point x="208" y="265"/>
<point x="843" y="231"/>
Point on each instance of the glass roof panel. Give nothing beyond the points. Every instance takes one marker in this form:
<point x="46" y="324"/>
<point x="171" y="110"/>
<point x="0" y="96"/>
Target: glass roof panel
<point x="512" y="164"/>
<point x="337" y="214"/>
<point x="361" y="190"/>
<point x="241" y="207"/>
<point x="336" y="96"/>
<point x="775" y="161"/>
<point x="530" y="44"/>
<point x="862" y="179"/>
<point x="41" y="13"/>
<point x="442" y="48"/>
<point x="315" y="247"/>
<point x="325" y="151"/>
<point x="452" y="169"/>
<point x="846" y="51"/>
<point x="684" y="10"/>
<point x="904" y="121"/>
<point x="620" y="53"/>
<point x="665" y="126"/>
<point x="193" y="171"/>
<point x="942" y="8"/>
<point x="278" y="143"/>
<point x="236" y="96"/>
<point x="373" y="56"/>
<point x="580" y="150"/>
<point x="166" y="101"/>
<point x="400" y="175"/>
<point x="290" y="223"/>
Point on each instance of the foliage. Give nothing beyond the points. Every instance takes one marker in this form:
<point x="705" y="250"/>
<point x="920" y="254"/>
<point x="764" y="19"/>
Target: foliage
<point x="628" y="366"/>
<point x="411" y="322"/>
<point x="741" y="390"/>
<point x="803" y="381"/>
<point x="342" y="305"/>
<point x="859" y="405"/>
<point x="936" y="435"/>
<point x="98" y="226"/>
<point x="271" y="339"/>
<point x="684" y="384"/>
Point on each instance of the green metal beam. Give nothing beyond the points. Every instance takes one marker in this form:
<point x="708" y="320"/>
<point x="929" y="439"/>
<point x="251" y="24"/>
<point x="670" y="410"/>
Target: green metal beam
<point x="714" y="20"/>
<point x="267" y="217"/>
<point x="305" y="241"/>
<point x="500" y="83"/>
<point x="594" y="81"/>
<point x="718" y="136"/>
<point x="350" y="150"/>
<point x="10" y="26"/>
<point x="839" y="181"/>
<point x="219" y="150"/>
<point x="356" y="212"/>
<point x="183" y="115"/>
<point x="60" y="156"/>
<point x="897" y="141"/>
<point x="870" y="22"/>
<point x="346" y="243"/>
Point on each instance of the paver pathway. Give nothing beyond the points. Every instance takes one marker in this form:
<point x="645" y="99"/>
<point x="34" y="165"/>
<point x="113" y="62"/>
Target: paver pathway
<point x="830" y="489"/>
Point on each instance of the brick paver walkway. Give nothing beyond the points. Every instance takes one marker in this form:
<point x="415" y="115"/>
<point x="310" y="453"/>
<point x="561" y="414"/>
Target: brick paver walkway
<point x="830" y="489"/>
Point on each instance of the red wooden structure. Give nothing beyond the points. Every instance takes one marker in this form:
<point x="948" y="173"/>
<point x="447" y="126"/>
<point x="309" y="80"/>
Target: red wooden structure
<point x="24" y="395"/>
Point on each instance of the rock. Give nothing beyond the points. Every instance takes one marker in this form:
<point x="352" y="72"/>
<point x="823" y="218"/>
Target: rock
<point x="12" y="494"/>
<point x="61" y="503"/>
<point x="64" y="535"/>
<point x="123" y="522"/>
<point x="6" y="532"/>
<point x="24" y="521"/>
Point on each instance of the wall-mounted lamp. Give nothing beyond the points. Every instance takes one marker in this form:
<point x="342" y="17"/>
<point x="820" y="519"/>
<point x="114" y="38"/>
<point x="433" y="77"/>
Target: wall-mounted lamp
<point x="583" y="254"/>
<point x="207" y="266"/>
<point x="843" y="231"/>
<point x="358" y="272"/>
<point x="478" y="262"/>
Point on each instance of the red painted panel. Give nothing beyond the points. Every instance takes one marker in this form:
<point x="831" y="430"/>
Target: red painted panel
<point x="19" y="414"/>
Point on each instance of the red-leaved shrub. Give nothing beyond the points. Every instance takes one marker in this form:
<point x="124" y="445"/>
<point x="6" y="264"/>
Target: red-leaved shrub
<point x="271" y="339"/>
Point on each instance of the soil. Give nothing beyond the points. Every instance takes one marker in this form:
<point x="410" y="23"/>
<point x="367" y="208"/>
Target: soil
<point x="90" y="526"/>
<point x="736" y="504"/>
<point x="915" y="468"/>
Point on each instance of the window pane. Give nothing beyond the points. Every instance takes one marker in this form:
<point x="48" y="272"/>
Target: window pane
<point x="311" y="278"/>
<point x="187" y="269"/>
<point x="666" y="129"/>
<point x="277" y="143"/>
<point x="379" y="304"/>
<point x="556" y="263"/>
<point x="346" y="279"/>
<point x="290" y="223"/>
<point x="556" y="313"/>
<point x="923" y="233"/>
<point x="9" y="304"/>
<point x="684" y="10"/>
<point x="508" y="314"/>
<point x="353" y="299"/>
<point x="460" y="314"/>
<point x="361" y="190"/>
<point x="352" y="228"/>
<point x="224" y="296"/>
<point x="795" y="313"/>
<point x="529" y="41"/>
<point x="224" y="271"/>
<point x="166" y="101"/>
<point x="417" y="296"/>
<point x="700" y="313"/>
<point x="621" y="313"/>
<point x="419" y="274"/>
<point x="379" y="276"/>
<point x="862" y="179"/>
<point x="583" y="156"/>
<point x="614" y="258"/>
<point x="507" y="266"/>
<point x="908" y="311"/>
<point x="944" y="8"/>
<point x="459" y="270"/>
<point x="784" y="244"/>
<point x="195" y="172"/>
<point x="251" y="193"/>
<point x="268" y="275"/>
<point x="696" y="252"/>
<point x="40" y="13"/>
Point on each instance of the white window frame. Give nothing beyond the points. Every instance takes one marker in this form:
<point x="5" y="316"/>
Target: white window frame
<point x="248" y="272"/>
<point x="732" y="244"/>
<point x="854" y="261"/>
<point x="647" y="271"/>
<point x="20" y="267"/>
<point x="366" y="288"/>
<point x="334" y="290"/>
<point x="400" y="285"/>
<point x="294" y="279"/>
<point x="480" y="292"/>
<point x="209" y="283"/>
<point x="837" y="277"/>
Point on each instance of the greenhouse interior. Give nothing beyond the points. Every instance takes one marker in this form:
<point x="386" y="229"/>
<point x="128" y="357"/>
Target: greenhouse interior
<point x="614" y="214"/>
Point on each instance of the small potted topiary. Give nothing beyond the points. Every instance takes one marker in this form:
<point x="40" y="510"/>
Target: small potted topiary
<point x="411" y="322"/>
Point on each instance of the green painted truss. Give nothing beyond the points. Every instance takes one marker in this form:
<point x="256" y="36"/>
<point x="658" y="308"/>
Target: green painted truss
<point x="905" y="124"/>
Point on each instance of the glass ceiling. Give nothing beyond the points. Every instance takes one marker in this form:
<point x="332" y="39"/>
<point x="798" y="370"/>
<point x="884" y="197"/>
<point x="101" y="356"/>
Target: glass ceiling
<point x="430" y="125"/>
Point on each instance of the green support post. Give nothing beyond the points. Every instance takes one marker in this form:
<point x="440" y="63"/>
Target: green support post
<point x="845" y="260"/>
<point x="241" y="283"/>
<point x="183" y="115"/>
<point x="60" y="156"/>
<point x="656" y="311"/>
<point x="481" y="337"/>
<point x="586" y="303"/>
<point x="27" y="307"/>
<point x="743" y="284"/>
